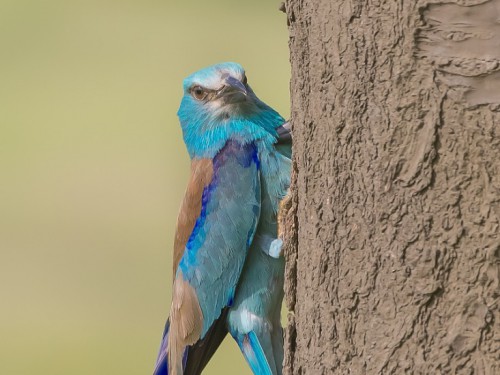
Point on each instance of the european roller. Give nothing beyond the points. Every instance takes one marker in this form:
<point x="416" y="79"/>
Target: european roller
<point x="228" y="266"/>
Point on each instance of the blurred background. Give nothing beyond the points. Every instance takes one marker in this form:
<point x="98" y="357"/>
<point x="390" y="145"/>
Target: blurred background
<point x="93" y="168"/>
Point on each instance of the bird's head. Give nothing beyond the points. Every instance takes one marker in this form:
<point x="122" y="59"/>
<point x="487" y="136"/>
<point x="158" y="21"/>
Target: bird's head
<point x="218" y="104"/>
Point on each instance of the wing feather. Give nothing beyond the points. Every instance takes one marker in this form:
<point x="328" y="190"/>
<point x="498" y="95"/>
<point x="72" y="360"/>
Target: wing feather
<point x="217" y="222"/>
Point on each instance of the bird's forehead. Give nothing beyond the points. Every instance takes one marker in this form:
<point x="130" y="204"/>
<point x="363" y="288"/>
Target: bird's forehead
<point x="213" y="76"/>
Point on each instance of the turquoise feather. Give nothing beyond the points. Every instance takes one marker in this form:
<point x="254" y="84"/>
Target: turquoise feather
<point x="217" y="247"/>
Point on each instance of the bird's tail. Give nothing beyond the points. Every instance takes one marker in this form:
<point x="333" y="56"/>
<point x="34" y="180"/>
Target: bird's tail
<point x="254" y="348"/>
<point x="161" y="367"/>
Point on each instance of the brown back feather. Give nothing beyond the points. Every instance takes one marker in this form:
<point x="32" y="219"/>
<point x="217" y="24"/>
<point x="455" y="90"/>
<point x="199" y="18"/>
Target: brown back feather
<point x="201" y="176"/>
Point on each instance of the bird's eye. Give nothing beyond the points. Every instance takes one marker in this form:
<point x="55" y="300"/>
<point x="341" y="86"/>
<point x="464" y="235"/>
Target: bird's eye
<point x="198" y="93"/>
<point x="245" y="80"/>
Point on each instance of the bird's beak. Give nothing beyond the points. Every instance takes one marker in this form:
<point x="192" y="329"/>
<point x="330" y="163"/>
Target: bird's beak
<point x="232" y="86"/>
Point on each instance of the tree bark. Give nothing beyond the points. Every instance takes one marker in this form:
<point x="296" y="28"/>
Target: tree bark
<point x="392" y="237"/>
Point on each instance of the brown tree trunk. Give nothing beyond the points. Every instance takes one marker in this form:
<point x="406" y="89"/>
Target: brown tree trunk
<point x="393" y="243"/>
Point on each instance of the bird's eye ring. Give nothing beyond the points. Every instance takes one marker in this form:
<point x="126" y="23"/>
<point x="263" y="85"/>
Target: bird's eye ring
<point x="198" y="93"/>
<point x="245" y="80"/>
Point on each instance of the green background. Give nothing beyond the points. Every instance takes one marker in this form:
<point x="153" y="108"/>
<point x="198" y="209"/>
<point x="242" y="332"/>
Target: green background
<point x="93" y="168"/>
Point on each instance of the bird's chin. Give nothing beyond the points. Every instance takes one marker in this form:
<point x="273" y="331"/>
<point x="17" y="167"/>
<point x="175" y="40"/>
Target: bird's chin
<point x="232" y="105"/>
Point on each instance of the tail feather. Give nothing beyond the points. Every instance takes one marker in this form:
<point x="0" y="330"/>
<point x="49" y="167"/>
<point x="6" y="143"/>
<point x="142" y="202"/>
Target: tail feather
<point x="161" y="367"/>
<point x="196" y="356"/>
<point x="254" y="354"/>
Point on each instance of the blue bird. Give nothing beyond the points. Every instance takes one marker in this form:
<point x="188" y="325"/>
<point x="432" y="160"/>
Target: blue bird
<point x="228" y="267"/>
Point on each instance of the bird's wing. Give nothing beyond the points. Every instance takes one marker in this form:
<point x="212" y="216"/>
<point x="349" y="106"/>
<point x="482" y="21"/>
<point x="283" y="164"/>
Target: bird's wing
<point x="284" y="139"/>
<point x="216" y="225"/>
<point x="284" y="133"/>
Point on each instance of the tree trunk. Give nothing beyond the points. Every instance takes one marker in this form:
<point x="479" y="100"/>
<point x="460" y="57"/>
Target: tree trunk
<point x="392" y="238"/>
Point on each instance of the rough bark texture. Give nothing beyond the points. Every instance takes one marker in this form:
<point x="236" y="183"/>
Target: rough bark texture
<point x="393" y="244"/>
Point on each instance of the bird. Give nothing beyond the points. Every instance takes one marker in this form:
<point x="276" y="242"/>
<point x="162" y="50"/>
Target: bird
<point x="228" y="265"/>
